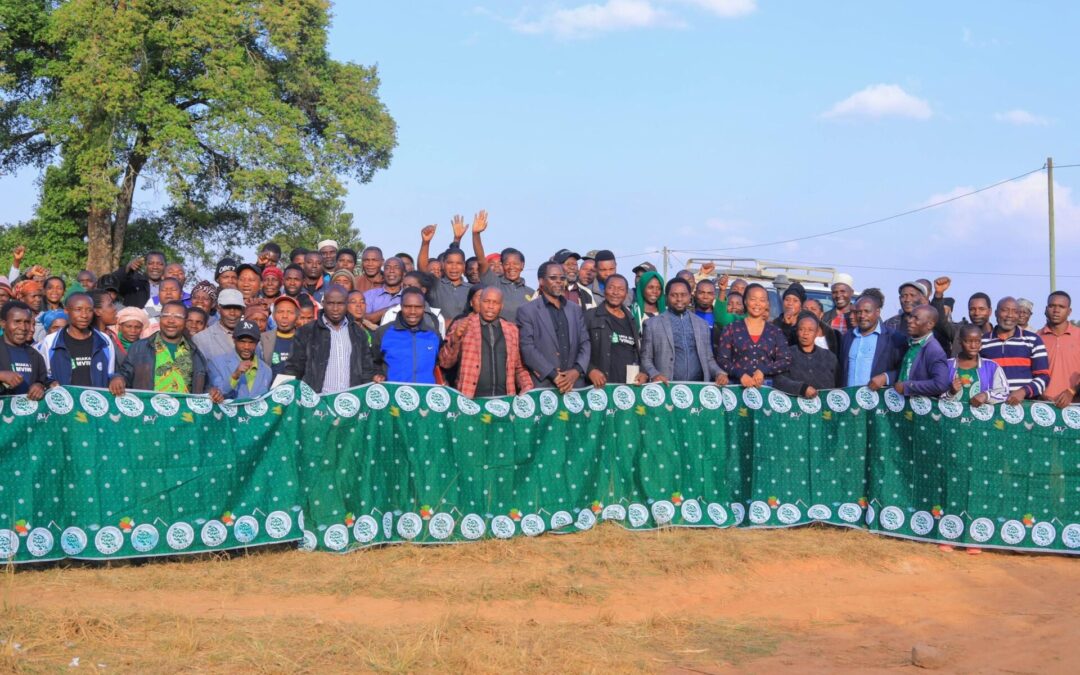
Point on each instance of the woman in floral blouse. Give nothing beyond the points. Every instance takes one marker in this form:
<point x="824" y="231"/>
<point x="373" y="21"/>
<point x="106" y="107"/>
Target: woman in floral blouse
<point x="752" y="350"/>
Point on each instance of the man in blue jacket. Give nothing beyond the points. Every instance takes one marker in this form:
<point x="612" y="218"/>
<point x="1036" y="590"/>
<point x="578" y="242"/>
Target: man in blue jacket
<point x="924" y="368"/>
<point x="242" y="374"/>
<point x="870" y="354"/>
<point x="406" y="351"/>
<point x="79" y="355"/>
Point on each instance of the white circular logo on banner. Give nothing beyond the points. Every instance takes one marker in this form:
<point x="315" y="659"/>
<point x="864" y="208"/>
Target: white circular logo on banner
<point x="982" y="412"/>
<point x="309" y="542"/>
<point x="838" y="400"/>
<point x="585" y="520"/>
<point x="213" y="533"/>
<point x="788" y="514"/>
<point x="377" y="397"/>
<point x="1043" y="534"/>
<point x="849" y="512"/>
<point x="1013" y="414"/>
<point x="94" y="403"/>
<point x="524" y="406"/>
<point x="245" y="529"/>
<point x="691" y="511"/>
<point x="739" y="512"/>
<point x="22" y="406"/>
<point x="257" y="408"/>
<point x="752" y="398"/>
<point x="200" y="405"/>
<point x="950" y="526"/>
<point x="179" y="536"/>
<point x="108" y="540"/>
<point x="39" y="542"/>
<point x="981" y="529"/>
<point x="950" y="409"/>
<point x="1070" y="536"/>
<point x="283" y="395"/>
<point x="892" y="518"/>
<point x="407" y="398"/>
<point x="653" y="395"/>
<point x="346" y="404"/>
<point x="441" y="526"/>
<point x="473" y="526"/>
<point x="1071" y="416"/>
<point x="278" y="524"/>
<point x="624" y="397"/>
<point x="388" y="524"/>
<point x="145" y="538"/>
<point x="682" y="396"/>
<point x="893" y="400"/>
<point x="410" y="525"/>
<point x="663" y="511"/>
<point x="819" y="512"/>
<point x="60" y="402"/>
<point x="73" y="541"/>
<point x="637" y="514"/>
<point x="760" y="512"/>
<point x="573" y="402"/>
<point x="229" y="408"/>
<point x="336" y="537"/>
<point x="365" y="529"/>
<point x="549" y="402"/>
<point x="597" y="399"/>
<point x="1043" y="414"/>
<point x="532" y="525"/>
<point x="130" y="405"/>
<point x="1013" y="532"/>
<point x="561" y="519"/>
<point x="467" y="405"/>
<point x="9" y="543"/>
<point x="165" y="405"/>
<point x="921" y="405"/>
<point x="922" y="523"/>
<point x="497" y="407"/>
<point x="614" y="512"/>
<point x="717" y="513"/>
<point x="779" y="401"/>
<point x="437" y="399"/>
<point x="870" y="513"/>
<point x="309" y="398"/>
<point x="502" y="527"/>
<point x="710" y="397"/>
<point x="867" y="398"/>
<point x="810" y="406"/>
<point x="730" y="400"/>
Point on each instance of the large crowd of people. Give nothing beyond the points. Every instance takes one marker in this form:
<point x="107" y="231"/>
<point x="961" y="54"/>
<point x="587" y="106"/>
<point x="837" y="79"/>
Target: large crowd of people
<point x="336" y="318"/>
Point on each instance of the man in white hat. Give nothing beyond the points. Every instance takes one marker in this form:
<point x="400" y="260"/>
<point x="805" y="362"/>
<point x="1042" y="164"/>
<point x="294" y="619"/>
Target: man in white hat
<point x="840" y="318"/>
<point x="328" y="249"/>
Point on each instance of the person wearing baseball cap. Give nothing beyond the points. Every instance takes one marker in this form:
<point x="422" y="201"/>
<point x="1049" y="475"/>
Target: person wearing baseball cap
<point x="912" y="294"/>
<point x="241" y="374"/>
<point x="248" y="281"/>
<point x="575" y="292"/>
<point x="217" y="340"/>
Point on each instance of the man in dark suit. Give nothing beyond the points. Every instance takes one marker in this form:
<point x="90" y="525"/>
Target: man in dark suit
<point x="869" y="355"/>
<point x="554" y="342"/>
<point x="675" y="345"/>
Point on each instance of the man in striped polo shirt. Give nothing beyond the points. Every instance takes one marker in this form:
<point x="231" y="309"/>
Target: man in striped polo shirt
<point x="1020" y="353"/>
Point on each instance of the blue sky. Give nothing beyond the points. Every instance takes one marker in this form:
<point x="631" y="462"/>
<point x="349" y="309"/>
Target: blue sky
<point x="705" y="124"/>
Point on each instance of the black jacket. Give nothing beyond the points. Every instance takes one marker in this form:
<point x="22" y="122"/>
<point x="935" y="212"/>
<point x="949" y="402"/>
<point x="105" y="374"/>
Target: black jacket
<point x="138" y="367"/>
<point x="134" y="287"/>
<point x="38" y="372"/>
<point x="311" y="353"/>
<point x="816" y="369"/>
<point x="600" y="324"/>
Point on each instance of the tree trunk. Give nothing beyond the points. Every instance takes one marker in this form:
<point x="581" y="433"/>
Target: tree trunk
<point x="100" y="242"/>
<point x="123" y="206"/>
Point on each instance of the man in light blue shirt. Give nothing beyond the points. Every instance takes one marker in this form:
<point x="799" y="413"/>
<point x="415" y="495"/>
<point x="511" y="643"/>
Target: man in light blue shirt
<point x="869" y="355"/>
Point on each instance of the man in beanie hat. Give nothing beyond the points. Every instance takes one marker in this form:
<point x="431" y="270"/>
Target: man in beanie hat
<point x="328" y="249"/>
<point x="225" y="273"/>
<point x="912" y="294"/>
<point x="840" y="318"/>
<point x="272" y="278"/>
<point x="792" y="301"/>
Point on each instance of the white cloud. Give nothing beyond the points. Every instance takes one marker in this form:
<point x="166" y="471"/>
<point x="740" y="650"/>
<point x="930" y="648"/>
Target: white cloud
<point x="591" y="19"/>
<point x="881" y="100"/>
<point x="727" y="9"/>
<point x="1021" y="118"/>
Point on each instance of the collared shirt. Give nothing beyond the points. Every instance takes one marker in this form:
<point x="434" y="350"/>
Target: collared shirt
<point x="492" y="378"/>
<point x="1064" y="353"/>
<point x="860" y="365"/>
<point x="1022" y="355"/>
<point x="557" y="311"/>
<point x="337" y="368"/>
<point x="449" y="298"/>
<point x="687" y="363"/>
<point x="515" y="293"/>
<point x="364" y="284"/>
<point x="912" y="353"/>
<point x="380" y="298"/>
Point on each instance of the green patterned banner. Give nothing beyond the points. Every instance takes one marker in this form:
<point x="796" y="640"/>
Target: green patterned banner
<point x="89" y="476"/>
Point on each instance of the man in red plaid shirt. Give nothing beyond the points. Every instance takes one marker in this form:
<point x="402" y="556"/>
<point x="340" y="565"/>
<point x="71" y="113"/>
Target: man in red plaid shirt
<point x="487" y="348"/>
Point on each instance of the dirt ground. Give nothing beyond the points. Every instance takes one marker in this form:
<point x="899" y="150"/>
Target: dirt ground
<point x="677" y="601"/>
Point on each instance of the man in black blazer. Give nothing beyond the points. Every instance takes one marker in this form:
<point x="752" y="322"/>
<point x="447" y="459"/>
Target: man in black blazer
<point x="870" y="354"/>
<point x="554" y="342"/>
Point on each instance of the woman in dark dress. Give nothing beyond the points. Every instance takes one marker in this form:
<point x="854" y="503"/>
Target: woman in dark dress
<point x="752" y="350"/>
<point x="812" y="367"/>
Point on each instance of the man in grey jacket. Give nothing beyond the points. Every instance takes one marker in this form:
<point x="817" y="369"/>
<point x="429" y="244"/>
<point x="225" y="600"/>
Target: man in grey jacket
<point x="554" y="342"/>
<point x="675" y="345"/>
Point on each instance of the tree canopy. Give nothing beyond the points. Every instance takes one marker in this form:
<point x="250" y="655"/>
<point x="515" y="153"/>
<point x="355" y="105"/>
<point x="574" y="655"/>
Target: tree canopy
<point x="233" y="108"/>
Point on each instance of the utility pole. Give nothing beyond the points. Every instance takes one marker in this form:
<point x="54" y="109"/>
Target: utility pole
<point x="1050" y="199"/>
<point x="666" y="251"/>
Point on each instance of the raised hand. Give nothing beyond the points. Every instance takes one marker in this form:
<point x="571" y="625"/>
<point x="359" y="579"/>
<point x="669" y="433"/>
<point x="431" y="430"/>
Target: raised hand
<point x="136" y="264"/>
<point x="427" y="234"/>
<point x="458" y="223"/>
<point x="17" y="254"/>
<point x="480" y="222"/>
<point x="707" y="268"/>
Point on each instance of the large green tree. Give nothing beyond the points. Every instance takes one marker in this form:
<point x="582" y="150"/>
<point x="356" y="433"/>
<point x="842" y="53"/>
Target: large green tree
<point x="232" y="107"/>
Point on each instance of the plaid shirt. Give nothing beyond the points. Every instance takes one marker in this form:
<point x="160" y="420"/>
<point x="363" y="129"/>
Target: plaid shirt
<point x="467" y="350"/>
